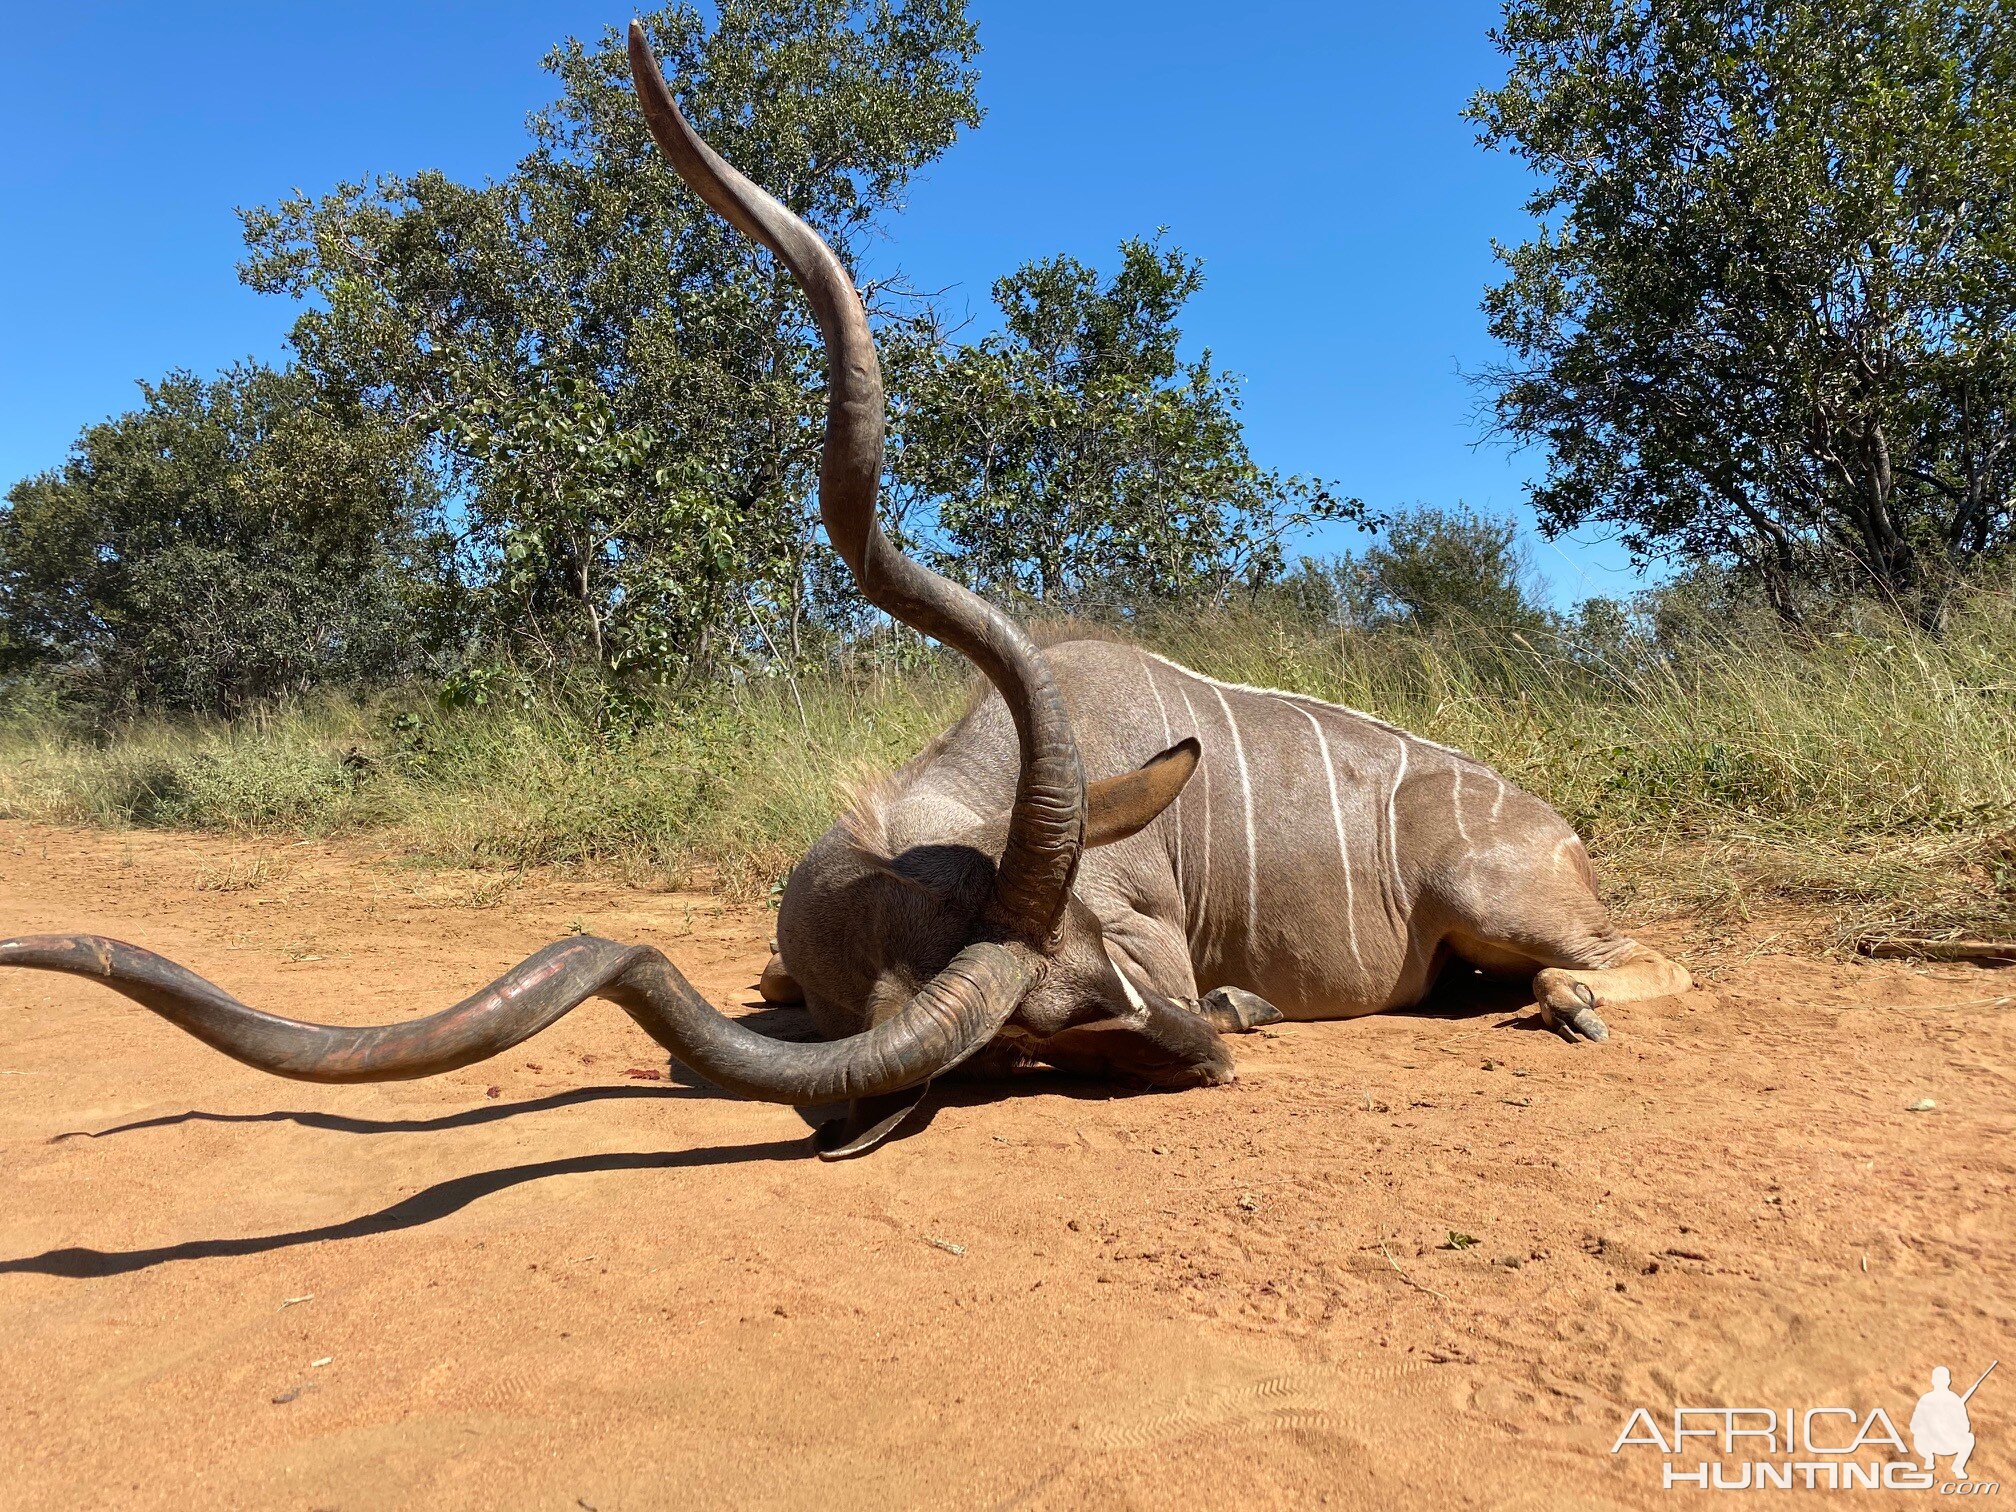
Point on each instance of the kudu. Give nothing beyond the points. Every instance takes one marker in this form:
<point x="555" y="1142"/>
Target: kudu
<point x="1278" y="857"/>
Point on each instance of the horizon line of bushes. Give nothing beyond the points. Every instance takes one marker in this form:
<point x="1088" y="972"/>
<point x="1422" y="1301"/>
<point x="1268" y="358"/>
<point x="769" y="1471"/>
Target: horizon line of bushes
<point x="1719" y="763"/>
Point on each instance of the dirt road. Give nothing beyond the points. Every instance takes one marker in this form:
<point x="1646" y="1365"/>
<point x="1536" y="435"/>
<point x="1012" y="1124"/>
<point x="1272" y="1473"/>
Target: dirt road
<point x="564" y="1279"/>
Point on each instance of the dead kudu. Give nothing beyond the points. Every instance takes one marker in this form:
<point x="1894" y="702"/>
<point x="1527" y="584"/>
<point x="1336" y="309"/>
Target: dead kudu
<point x="1278" y="857"/>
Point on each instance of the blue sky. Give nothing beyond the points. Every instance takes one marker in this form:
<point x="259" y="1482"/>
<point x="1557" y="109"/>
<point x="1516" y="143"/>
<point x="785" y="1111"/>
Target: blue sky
<point x="1312" y="155"/>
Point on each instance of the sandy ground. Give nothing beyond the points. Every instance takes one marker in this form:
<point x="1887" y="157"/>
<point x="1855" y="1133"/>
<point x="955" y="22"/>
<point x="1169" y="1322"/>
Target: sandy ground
<point x="565" y="1279"/>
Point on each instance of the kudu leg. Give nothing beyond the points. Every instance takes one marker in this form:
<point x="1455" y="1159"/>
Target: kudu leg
<point x="1533" y="908"/>
<point x="1570" y="996"/>
<point x="1157" y="954"/>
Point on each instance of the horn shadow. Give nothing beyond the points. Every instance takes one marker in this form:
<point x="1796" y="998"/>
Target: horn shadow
<point x="339" y="1123"/>
<point x="423" y="1207"/>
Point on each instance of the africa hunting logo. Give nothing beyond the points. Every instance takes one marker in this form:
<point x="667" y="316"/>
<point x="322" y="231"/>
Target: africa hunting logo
<point x="1818" y="1449"/>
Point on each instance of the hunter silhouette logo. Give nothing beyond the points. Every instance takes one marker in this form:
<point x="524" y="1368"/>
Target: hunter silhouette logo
<point x="1817" y="1448"/>
<point x="1940" y="1425"/>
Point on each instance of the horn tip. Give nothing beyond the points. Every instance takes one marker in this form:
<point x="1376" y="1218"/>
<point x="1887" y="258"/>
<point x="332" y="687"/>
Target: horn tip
<point x="641" y="56"/>
<point x="648" y="76"/>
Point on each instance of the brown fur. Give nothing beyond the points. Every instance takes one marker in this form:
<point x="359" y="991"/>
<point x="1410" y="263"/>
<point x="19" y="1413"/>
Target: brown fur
<point x="1328" y="890"/>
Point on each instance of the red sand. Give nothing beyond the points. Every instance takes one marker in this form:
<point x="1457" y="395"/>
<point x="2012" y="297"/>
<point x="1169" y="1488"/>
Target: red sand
<point x="552" y="1281"/>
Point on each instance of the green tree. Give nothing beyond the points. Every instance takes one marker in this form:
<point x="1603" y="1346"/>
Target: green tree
<point x="1431" y="567"/>
<point x="598" y="548"/>
<point x="604" y="372"/>
<point x="1767" y="318"/>
<point x="1076" y="458"/>
<point x="229" y="541"/>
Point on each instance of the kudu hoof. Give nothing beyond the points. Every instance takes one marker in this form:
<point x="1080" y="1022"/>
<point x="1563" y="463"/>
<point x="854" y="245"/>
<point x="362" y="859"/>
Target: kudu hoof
<point x="1233" y="1010"/>
<point x="1581" y="1022"/>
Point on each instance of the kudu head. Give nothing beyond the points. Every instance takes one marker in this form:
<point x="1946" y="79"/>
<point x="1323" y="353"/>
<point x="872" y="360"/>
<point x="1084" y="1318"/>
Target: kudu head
<point x="919" y="960"/>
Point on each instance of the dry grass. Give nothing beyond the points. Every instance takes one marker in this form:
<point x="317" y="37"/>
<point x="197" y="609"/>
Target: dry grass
<point x="734" y="784"/>
<point x="1869" y="773"/>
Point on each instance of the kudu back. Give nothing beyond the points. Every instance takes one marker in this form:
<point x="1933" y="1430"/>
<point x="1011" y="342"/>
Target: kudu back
<point x="1257" y="854"/>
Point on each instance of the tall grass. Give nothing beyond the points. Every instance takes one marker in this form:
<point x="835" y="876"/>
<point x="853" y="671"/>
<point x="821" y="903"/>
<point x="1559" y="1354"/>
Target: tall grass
<point x="732" y="784"/>
<point x="1870" y="772"/>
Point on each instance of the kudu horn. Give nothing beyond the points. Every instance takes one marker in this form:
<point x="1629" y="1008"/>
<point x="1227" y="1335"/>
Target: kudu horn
<point x="954" y="1014"/>
<point x="1046" y="828"/>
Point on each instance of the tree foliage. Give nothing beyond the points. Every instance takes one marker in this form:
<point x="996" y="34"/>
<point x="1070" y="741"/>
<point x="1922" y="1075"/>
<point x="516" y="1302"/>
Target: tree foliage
<point x="1768" y="318"/>
<point x="1076" y="458"/>
<point x="229" y="541"/>
<point x="1430" y="568"/>
<point x="1436" y="566"/>
<point x="624" y="394"/>
<point x="572" y="417"/>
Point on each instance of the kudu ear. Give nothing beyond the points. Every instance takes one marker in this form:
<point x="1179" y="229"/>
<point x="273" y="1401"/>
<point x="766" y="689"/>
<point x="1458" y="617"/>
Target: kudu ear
<point x="1116" y="807"/>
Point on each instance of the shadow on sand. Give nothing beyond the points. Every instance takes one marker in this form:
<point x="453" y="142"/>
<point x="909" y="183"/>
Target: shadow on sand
<point x="1457" y="996"/>
<point x="451" y="1196"/>
<point x="437" y="1201"/>
<point x="1462" y="994"/>
<point x="341" y="1123"/>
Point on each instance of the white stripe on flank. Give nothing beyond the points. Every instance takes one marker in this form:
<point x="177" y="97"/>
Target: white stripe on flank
<point x="1204" y="887"/>
<point x="1335" y="708"/>
<point x="1127" y="984"/>
<point x="1168" y="739"/>
<point x="1456" y="801"/>
<point x="1168" y="733"/>
<point x="1252" y="853"/>
<point x="1336" y="819"/>
<point x="1393" y="828"/>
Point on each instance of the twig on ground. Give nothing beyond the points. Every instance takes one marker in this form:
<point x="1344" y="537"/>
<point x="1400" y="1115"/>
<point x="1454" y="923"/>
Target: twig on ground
<point x="1418" y="1286"/>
